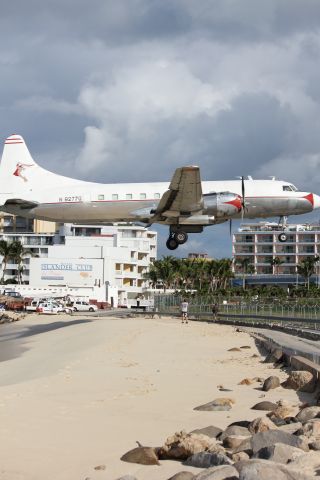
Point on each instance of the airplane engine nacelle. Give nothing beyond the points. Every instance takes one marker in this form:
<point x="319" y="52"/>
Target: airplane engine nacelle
<point x="222" y="204"/>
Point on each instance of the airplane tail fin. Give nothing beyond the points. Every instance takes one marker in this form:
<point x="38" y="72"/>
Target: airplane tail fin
<point x="21" y="176"/>
<point x="18" y="171"/>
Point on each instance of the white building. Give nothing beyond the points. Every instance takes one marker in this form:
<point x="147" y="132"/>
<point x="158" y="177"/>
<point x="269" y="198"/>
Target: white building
<point x="106" y="262"/>
<point x="262" y="243"/>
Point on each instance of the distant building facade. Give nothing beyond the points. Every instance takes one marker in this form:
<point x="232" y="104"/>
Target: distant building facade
<point x="274" y="259"/>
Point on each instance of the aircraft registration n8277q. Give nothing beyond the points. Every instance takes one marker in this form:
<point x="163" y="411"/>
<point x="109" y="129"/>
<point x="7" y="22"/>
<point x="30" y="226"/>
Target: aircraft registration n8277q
<point x="186" y="204"/>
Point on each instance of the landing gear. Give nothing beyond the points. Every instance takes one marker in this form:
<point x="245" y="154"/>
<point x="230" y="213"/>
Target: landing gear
<point x="176" y="238"/>
<point x="282" y="237"/>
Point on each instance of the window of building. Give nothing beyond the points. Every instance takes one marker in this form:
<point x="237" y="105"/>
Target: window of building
<point x="114" y="196"/>
<point x="128" y="196"/>
<point x="100" y="197"/>
<point x="143" y="196"/>
<point x="157" y="195"/>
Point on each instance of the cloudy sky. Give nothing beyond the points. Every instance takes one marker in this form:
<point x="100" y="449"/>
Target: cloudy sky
<point x="128" y="90"/>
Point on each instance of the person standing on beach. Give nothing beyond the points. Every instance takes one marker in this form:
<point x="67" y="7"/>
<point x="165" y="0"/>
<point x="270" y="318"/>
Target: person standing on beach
<point x="215" y="311"/>
<point x="184" y="311"/>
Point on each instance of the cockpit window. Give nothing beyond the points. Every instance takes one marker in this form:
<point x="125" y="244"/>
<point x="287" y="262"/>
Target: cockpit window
<point x="289" y="188"/>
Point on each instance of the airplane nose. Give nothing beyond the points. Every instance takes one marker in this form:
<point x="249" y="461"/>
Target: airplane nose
<point x="316" y="201"/>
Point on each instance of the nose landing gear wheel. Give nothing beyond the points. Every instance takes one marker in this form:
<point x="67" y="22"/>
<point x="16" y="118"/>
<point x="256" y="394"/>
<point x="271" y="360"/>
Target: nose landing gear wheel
<point x="181" y="237"/>
<point x="282" y="237"/>
<point x="172" y="243"/>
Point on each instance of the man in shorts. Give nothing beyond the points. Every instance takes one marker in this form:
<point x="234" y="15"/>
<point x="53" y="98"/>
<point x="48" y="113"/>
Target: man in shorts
<point x="184" y="311"/>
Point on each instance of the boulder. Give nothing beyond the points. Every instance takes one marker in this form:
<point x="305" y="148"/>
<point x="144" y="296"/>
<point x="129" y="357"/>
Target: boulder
<point x="141" y="455"/>
<point x="240" y="423"/>
<point x="270" y="383"/>
<point x="234" y="349"/>
<point x="266" y="439"/>
<point x="275" y="356"/>
<point x="233" y="441"/>
<point x="127" y="477"/>
<point x="309" y="463"/>
<point x="207" y="459"/>
<point x="261" y="424"/>
<point x="315" y="445"/>
<point x="290" y="427"/>
<point x="210" y="431"/>
<point x="265" y="406"/>
<point x="218" y="473"/>
<point x="182" y="445"/>
<point x="234" y="430"/>
<point x="216" y="404"/>
<point x="245" y="347"/>
<point x="282" y="412"/>
<point x="240" y="456"/>
<point x="301" y="381"/>
<point x="182" y="476"/>
<point x="311" y="429"/>
<point x="246" y="381"/>
<point x="267" y="470"/>
<point x="279" y="452"/>
<point x="308" y="413"/>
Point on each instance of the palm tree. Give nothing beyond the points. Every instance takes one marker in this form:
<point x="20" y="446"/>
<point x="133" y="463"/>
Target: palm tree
<point x="276" y="262"/>
<point x="306" y="268"/>
<point x="5" y="252"/>
<point x="246" y="267"/>
<point x="18" y="253"/>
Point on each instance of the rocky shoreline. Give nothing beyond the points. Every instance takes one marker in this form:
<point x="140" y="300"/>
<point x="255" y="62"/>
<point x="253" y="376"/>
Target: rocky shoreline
<point x="282" y="443"/>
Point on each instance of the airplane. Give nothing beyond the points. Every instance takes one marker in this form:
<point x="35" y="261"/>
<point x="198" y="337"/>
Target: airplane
<point x="186" y="204"/>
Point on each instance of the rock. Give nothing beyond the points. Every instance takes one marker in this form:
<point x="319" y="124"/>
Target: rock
<point x="261" y="424"/>
<point x="182" y="476"/>
<point x="234" y="349"/>
<point x="127" y="477"/>
<point x="315" y="445"/>
<point x="246" y="381"/>
<point x="308" y="413"/>
<point x="245" y="447"/>
<point x="282" y="412"/>
<point x="264" y="406"/>
<point x="279" y="452"/>
<point x="218" y="473"/>
<point x="240" y="456"/>
<point x="301" y="381"/>
<point x="290" y="427"/>
<point x="182" y="445"/>
<point x="212" y="406"/>
<point x="233" y="441"/>
<point x="255" y="355"/>
<point x="311" y="429"/>
<point x="141" y="455"/>
<point x="309" y="463"/>
<point x="266" y="439"/>
<point x="216" y="404"/>
<point x="267" y="470"/>
<point x="246" y="347"/>
<point x="100" y="467"/>
<point x="207" y="459"/>
<point x="270" y="383"/>
<point x="210" y="431"/>
<point x="240" y="423"/>
<point x="274" y="357"/>
<point x="234" y="430"/>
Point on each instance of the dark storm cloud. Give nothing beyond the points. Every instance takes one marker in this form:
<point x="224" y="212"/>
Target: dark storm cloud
<point x="110" y="90"/>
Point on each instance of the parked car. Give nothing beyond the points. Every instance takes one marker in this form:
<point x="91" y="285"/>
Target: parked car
<point x="48" y="307"/>
<point x="83" y="306"/>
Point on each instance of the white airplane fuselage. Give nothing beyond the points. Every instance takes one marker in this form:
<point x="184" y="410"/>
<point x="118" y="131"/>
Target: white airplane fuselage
<point x="185" y="205"/>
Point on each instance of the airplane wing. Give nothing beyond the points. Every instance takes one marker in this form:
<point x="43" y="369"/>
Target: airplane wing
<point x="184" y="196"/>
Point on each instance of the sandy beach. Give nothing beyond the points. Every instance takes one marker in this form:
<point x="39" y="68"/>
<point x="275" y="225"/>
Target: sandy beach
<point x="82" y="393"/>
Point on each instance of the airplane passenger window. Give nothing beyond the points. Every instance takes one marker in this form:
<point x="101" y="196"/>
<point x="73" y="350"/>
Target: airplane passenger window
<point x="293" y="188"/>
<point x="114" y="196"/>
<point x="157" y="195"/>
<point x="100" y="197"/>
<point x="143" y="196"/>
<point x="128" y="196"/>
